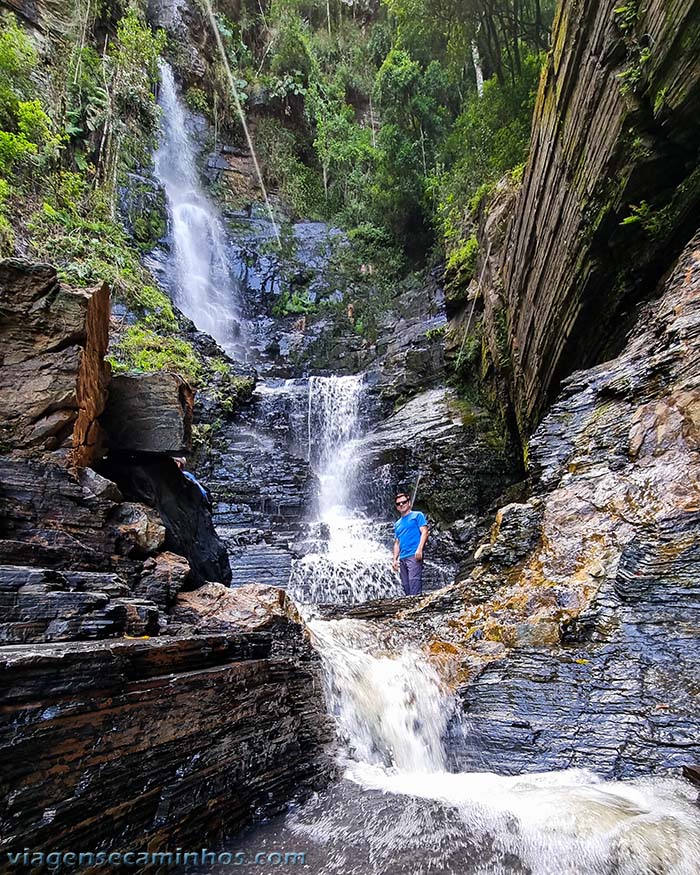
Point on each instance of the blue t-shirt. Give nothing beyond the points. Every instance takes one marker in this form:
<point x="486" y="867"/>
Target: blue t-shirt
<point x="190" y="476"/>
<point x="407" y="530"/>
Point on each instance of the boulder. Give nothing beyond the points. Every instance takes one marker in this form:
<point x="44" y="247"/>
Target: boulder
<point x="157" y="482"/>
<point x="162" y="578"/>
<point x="214" y="608"/>
<point x="251" y="608"/>
<point x="141" y="530"/>
<point x="149" y="413"/>
<point x="53" y="377"/>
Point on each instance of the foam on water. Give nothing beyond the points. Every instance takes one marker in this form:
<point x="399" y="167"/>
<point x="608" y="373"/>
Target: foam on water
<point x="565" y="822"/>
<point x="351" y="564"/>
<point x="392" y="710"/>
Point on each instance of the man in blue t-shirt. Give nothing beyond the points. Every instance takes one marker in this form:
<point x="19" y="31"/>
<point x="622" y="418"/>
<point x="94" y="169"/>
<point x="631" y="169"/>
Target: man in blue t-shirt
<point x="411" y="533"/>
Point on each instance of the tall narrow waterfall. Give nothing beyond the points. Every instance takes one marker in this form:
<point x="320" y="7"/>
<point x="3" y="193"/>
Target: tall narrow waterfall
<point x="200" y="281"/>
<point x="352" y="563"/>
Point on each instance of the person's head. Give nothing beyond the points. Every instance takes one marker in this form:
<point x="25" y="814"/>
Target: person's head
<point x="402" y="503"/>
<point x="180" y="462"/>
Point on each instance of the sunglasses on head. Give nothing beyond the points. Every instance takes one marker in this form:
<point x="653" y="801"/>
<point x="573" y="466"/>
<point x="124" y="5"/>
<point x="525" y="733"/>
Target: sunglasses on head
<point x="402" y="502"/>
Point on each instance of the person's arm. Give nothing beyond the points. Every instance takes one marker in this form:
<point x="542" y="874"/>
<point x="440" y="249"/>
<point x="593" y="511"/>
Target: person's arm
<point x="395" y="563"/>
<point x="423" y="538"/>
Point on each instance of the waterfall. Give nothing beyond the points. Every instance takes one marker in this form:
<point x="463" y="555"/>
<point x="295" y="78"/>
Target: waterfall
<point x="197" y="273"/>
<point x="400" y="809"/>
<point x="393" y="709"/>
<point x="351" y="563"/>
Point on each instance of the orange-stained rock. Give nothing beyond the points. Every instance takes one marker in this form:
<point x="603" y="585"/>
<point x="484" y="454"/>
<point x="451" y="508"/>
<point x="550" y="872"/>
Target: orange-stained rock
<point x="53" y="377"/>
<point x="251" y="608"/>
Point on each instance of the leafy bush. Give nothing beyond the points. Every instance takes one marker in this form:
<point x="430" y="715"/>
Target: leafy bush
<point x="299" y="185"/>
<point x="461" y="262"/>
<point x="196" y="100"/>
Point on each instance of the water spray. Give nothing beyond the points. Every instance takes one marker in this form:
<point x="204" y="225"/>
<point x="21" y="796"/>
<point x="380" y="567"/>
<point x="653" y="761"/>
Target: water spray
<point x="241" y="115"/>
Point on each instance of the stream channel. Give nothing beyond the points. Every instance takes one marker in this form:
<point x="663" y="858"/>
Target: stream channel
<point x="406" y="802"/>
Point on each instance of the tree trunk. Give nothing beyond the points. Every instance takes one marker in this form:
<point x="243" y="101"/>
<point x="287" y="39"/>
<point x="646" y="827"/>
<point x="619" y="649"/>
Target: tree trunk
<point x="478" y="71"/>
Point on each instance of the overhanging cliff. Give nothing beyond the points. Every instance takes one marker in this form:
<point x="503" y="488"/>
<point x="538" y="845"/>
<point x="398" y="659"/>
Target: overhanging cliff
<point x="609" y="197"/>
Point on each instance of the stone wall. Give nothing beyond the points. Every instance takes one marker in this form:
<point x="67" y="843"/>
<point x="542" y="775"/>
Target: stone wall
<point x="609" y="197"/>
<point x="158" y="743"/>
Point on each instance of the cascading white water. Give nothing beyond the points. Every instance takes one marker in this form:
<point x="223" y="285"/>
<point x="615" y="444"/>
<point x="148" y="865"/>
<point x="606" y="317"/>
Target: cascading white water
<point x="200" y="281"/>
<point x="352" y="564"/>
<point x="392" y="710"/>
<point x="392" y="707"/>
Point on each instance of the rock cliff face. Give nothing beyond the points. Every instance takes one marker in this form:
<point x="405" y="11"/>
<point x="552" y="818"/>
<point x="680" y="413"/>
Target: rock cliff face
<point x="55" y="511"/>
<point x="129" y="708"/>
<point x="53" y="377"/>
<point x="582" y="618"/>
<point x="609" y="196"/>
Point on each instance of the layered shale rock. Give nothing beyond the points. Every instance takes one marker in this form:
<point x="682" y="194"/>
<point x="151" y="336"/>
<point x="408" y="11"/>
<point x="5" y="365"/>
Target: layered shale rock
<point x="58" y="516"/>
<point x="591" y="588"/>
<point x="149" y="413"/>
<point x="462" y="460"/>
<point x="176" y="739"/>
<point x="41" y="604"/>
<point x="608" y="199"/>
<point x="53" y="377"/>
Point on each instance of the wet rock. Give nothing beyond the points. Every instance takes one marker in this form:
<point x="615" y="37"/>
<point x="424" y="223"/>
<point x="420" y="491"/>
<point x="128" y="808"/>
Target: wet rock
<point x="185" y="25"/>
<point x="162" y="578"/>
<point x="598" y="623"/>
<point x="462" y="462"/>
<point x="692" y="773"/>
<point x="39" y="604"/>
<point x="260" y="563"/>
<point x="178" y="738"/>
<point x="261" y="481"/>
<point x="149" y="413"/>
<point x="410" y="347"/>
<point x="53" y="377"/>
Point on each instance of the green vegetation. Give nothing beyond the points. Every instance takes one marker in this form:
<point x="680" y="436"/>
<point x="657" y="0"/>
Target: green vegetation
<point x="462" y="262"/>
<point x="370" y="116"/>
<point x="75" y="118"/>
<point x="141" y="349"/>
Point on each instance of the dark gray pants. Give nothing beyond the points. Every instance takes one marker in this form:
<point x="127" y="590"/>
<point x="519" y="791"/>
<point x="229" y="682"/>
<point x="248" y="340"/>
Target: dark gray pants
<point x="411" y="576"/>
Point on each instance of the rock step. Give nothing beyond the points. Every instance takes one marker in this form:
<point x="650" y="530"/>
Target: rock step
<point x="261" y="563"/>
